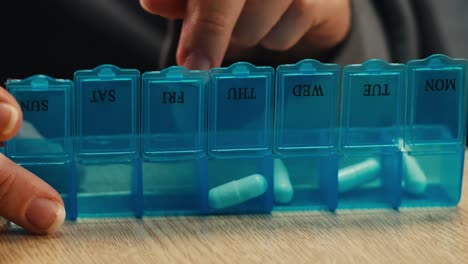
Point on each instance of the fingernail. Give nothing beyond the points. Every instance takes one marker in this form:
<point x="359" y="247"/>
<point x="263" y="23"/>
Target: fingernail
<point x="10" y="116"/>
<point x="4" y="224"/>
<point x="46" y="215"/>
<point x="197" y="61"/>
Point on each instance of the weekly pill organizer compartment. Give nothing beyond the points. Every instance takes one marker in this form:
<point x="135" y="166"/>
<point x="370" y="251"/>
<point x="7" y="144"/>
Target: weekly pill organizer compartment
<point x="247" y="139"/>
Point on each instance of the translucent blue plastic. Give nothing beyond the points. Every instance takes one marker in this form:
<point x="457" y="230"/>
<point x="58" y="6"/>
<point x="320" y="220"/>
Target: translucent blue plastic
<point x="306" y="135"/>
<point x="243" y="140"/>
<point x="173" y="143"/>
<point x="240" y="122"/>
<point x="107" y="143"/>
<point x="433" y="145"/>
<point x="372" y="107"/>
<point x="44" y="144"/>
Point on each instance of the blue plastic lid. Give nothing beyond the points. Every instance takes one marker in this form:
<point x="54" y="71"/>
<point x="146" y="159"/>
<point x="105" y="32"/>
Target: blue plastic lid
<point x="240" y="111"/>
<point x="436" y="110"/>
<point x="107" y="112"/>
<point x="173" y="114"/>
<point x="306" y="108"/>
<point x="372" y="106"/>
<point x="45" y="134"/>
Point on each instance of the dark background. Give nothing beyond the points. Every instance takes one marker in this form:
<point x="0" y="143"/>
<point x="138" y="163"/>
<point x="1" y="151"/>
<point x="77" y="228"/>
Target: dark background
<point x="58" y="37"/>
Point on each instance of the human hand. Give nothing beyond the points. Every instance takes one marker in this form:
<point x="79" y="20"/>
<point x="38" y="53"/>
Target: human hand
<point x="24" y="198"/>
<point x="240" y="29"/>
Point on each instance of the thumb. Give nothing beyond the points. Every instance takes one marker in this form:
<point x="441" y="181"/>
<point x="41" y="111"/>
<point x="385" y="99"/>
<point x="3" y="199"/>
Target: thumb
<point x="27" y="200"/>
<point x="24" y="198"/>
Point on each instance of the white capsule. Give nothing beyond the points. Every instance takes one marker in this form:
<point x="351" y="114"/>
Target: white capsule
<point x="284" y="191"/>
<point x="237" y="192"/>
<point x="358" y="174"/>
<point x="414" y="178"/>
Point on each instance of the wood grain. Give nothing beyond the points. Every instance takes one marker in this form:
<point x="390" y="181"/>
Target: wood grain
<point x="371" y="236"/>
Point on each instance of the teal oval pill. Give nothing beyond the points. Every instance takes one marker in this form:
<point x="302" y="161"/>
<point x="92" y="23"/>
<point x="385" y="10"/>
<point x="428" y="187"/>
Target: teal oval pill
<point x="237" y="192"/>
<point x="284" y="191"/>
<point x="415" y="180"/>
<point x="358" y="174"/>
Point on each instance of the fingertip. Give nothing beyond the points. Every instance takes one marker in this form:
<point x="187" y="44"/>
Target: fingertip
<point x="190" y="55"/>
<point x="10" y="120"/>
<point x="45" y="216"/>
<point x="173" y="9"/>
<point x="195" y="60"/>
<point x="11" y="115"/>
<point x="58" y="222"/>
<point x="28" y="201"/>
<point x="148" y="6"/>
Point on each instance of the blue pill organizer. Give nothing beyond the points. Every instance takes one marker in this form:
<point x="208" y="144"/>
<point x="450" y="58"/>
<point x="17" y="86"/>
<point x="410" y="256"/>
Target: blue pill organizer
<point x="107" y="143"/>
<point x="173" y="141"/>
<point x="306" y="136"/>
<point x="240" y="122"/>
<point x="371" y="119"/>
<point x="433" y="141"/>
<point x="247" y="139"/>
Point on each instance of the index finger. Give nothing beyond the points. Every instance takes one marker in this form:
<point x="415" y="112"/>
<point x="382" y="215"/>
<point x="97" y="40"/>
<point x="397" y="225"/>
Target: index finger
<point x="10" y="115"/>
<point x="206" y="32"/>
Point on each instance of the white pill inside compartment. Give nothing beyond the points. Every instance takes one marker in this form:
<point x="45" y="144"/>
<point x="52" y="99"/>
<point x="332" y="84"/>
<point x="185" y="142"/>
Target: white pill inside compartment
<point x="358" y="174"/>
<point x="237" y="192"/>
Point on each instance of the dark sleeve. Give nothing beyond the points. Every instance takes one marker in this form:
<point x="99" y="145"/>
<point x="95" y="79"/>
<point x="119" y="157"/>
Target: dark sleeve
<point x="366" y="39"/>
<point x="443" y="26"/>
<point x="402" y="30"/>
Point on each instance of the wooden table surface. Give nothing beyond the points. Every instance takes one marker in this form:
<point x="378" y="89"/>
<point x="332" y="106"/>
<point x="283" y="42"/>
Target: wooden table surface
<point x="383" y="236"/>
